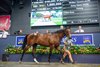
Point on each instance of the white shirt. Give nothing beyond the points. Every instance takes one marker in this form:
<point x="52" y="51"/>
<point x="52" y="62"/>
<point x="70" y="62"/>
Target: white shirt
<point x="4" y="34"/>
<point x="77" y="31"/>
<point x="69" y="41"/>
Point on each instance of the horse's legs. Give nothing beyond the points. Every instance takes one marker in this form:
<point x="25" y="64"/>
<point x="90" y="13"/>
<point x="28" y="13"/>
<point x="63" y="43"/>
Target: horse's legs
<point x="33" y="52"/>
<point x="51" y="47"/>
<point x="62" y="55"/>
<point x="24" y="50"/>
<point x="58" y="48"/>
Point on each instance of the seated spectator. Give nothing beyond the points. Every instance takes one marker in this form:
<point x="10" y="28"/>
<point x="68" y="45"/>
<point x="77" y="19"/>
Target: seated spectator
<point x="47" y="31"/>
<point x="61" y="27"/>
<point x="4" y="33"/>
<point x="19" y="32"/>
<point x="79" y="29"/>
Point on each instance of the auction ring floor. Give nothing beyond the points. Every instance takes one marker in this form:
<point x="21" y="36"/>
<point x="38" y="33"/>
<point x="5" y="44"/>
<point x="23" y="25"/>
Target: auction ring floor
<point x="45" y="64"/>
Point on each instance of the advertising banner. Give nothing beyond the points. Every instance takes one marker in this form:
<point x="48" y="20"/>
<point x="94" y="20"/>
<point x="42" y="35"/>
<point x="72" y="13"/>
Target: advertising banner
<point x="4" y="22"/>
<point x="19" y="40"/>
<point x="77" y="39"/>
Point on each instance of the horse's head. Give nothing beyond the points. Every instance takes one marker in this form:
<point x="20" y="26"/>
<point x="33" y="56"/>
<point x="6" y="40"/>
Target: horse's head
<point x="68" y="32"/>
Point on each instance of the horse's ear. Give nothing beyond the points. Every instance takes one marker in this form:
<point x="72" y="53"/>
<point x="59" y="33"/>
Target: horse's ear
<point x="68" y="27"/>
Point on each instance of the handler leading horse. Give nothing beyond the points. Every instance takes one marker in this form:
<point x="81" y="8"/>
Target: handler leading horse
<point x="51" y="40"/>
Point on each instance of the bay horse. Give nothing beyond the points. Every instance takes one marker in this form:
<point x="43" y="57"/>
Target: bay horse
<point x="51" y="40"/>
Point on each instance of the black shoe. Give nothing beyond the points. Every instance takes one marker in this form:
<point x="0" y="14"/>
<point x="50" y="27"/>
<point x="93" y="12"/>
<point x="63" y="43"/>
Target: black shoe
<point x="62" y="62"/>
<point x="73" y="62"/>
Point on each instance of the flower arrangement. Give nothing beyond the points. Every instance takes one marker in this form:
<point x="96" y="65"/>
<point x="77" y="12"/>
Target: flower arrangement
<point x="84" y="50"/>
<point x="45" y="50"/>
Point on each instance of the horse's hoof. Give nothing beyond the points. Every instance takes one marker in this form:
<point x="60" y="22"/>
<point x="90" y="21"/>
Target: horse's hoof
<point x="20" y="62"/>
<point x="49" y="62"/>
<point x="36" y="61"/>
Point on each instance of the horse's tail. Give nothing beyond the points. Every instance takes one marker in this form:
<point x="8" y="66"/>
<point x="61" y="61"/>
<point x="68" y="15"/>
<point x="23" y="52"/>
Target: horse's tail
<point x="24" y="42"/>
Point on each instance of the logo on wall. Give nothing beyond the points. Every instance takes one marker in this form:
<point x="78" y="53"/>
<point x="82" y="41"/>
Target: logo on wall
<point x="19" y="40"/>
<point x="86" y="39"/>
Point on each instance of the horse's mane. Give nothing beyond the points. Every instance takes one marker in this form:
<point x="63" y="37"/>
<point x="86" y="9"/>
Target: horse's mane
<point x="59" y="31"/>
